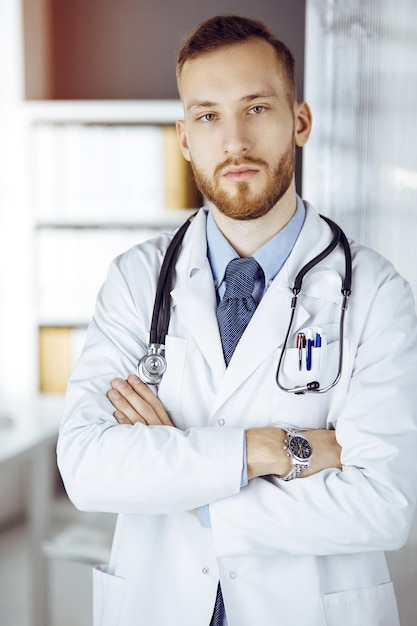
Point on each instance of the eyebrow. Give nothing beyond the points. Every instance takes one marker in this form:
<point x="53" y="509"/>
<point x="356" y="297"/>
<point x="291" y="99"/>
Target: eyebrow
<point x="200" y="104"/>
<point x="259" y="95"/>
<point x="207" y="104"/>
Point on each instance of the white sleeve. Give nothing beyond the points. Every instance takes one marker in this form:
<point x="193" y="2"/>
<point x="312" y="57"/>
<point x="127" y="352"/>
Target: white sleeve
<point x="134" y="469"/>
<point x="370" y="504"/>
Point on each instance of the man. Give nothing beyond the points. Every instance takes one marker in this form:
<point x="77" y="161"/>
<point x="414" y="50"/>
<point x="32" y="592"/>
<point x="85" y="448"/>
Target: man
<point x="215" y="512"/>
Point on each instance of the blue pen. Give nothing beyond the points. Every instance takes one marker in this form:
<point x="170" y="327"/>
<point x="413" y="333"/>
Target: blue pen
<point x="318" y="341"/>
<point x="309" y="354"/>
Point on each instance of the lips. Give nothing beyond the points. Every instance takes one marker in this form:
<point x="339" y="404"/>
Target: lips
<point x="240" y="172"/>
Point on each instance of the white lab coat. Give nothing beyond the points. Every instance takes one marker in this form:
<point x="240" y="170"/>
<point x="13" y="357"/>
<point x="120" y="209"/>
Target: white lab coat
<point x="307" y="552"/>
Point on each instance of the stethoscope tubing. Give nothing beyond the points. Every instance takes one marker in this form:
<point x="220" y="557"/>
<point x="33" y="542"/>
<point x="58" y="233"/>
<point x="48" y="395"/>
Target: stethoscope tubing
<point x="161" y="310"/>
<point x="152" y="366"/>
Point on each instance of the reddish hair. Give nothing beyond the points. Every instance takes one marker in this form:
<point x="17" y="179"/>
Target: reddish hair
<point x="225" y="30"/>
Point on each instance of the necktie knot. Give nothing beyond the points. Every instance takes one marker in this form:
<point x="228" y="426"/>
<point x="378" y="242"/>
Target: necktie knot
<point x="240" y="277"/>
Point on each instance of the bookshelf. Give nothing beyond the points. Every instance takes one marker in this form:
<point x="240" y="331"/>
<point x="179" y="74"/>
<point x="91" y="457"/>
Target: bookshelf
<point x="103" y="176"/>
<point x="62" y="65"/>
<point x="45" y="215"/>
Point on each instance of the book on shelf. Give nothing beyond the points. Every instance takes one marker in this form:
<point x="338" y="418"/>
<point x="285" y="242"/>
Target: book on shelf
<point x="180" y="189"/>
<point x="58" y="349"/>
<point x="108" y="172"/>
<point x="72" y="265"/>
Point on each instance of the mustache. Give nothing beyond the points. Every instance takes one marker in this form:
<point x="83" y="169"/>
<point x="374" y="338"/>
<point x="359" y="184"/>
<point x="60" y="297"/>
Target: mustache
<point x="233" y="162"/>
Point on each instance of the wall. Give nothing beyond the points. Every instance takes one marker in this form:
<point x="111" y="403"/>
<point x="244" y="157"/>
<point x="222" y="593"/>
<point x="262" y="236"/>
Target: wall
<point x="126" y="49"/>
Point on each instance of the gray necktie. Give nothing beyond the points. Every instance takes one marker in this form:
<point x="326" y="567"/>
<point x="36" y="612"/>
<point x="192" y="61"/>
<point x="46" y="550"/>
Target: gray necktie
<point x="233" y="315"/>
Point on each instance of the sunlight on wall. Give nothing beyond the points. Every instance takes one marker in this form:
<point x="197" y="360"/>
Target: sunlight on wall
<point x="360" y="165"/>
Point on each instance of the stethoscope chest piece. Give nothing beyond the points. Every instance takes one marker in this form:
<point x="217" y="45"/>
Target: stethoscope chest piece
<point x="152" y="366"/>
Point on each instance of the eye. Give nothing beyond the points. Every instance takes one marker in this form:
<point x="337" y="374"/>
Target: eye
<point x="207" y="117"/>
<point x="257" y="110"/>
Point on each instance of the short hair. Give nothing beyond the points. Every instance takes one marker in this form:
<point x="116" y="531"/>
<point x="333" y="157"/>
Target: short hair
<point x="225" y="30"/>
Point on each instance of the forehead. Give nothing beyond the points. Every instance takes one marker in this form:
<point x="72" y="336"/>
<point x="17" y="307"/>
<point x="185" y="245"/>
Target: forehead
<point x="230" y="72"/>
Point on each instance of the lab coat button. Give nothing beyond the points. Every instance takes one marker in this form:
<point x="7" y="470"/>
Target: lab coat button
<point x="220" y="422"/>
<point x="233" y="574"/>
<point x="205" y="570"/>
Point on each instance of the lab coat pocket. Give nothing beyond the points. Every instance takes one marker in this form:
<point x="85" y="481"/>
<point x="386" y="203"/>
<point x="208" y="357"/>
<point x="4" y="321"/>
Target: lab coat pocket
<point x="373" y="606"/>
<point x="302" y="366"/>
<point x="107" y="597"/>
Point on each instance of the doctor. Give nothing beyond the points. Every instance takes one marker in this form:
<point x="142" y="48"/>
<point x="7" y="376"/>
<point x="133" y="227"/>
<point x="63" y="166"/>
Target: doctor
<point x="197" y="473"/>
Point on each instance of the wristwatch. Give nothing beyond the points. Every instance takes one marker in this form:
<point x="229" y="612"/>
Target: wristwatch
<point x="300" y="451"/>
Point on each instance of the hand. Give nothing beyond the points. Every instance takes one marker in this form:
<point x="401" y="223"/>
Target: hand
<point x="135" y="402"/>
<point x="266" y="454"/>
<point x="326" y="451"/>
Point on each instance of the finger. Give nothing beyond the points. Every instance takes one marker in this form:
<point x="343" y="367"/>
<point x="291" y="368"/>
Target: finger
<point x="147" y="394"/>
<point x="132" y="404"/>
<point x="121" y="419"/>
<point x="124" y="409"/>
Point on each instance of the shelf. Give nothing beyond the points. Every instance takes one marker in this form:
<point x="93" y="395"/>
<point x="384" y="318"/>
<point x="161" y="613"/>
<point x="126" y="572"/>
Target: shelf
<point x="103" y="111"/>
<point x="105" y="176"/>
<point x="164" y="219"/>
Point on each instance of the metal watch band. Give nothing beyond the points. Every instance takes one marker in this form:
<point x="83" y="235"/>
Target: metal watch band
<point x="297" y="466"/>
<point x="295" y="471"/>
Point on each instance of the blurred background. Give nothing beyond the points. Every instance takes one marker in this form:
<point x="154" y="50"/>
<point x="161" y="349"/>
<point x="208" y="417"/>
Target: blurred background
<point x="89" y="166"/>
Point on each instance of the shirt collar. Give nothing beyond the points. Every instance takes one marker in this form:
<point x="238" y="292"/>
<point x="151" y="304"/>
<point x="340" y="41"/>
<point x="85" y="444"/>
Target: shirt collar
<point x="271" y="256"/>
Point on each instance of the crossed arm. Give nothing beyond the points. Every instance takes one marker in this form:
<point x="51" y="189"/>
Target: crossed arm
<point x="135" y="402"/>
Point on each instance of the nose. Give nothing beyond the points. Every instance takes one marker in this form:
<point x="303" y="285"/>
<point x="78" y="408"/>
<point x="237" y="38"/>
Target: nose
<point x="236" y="138"/>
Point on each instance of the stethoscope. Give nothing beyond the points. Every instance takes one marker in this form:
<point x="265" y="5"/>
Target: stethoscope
<point x="152" y="366"/>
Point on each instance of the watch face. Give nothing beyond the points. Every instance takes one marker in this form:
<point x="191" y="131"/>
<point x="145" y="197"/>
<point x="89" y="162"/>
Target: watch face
<point x="300" y="448"/>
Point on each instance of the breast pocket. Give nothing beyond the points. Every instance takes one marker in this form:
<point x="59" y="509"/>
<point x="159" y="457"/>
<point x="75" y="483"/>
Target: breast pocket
<point x="313" y="410"/>
<point x="170" y="388"/>
<point x="309" y="363"/>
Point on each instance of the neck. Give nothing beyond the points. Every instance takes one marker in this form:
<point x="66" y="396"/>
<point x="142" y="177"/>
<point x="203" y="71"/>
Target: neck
<point x="247" y="236"/>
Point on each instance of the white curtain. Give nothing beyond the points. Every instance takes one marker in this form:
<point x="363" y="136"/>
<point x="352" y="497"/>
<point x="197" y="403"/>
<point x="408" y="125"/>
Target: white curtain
<point x="360" y="165"/>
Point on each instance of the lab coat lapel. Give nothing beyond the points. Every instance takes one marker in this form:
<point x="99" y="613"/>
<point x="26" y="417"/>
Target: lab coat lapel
<point x="195" y="297"/>
<point x="196" y="304"/>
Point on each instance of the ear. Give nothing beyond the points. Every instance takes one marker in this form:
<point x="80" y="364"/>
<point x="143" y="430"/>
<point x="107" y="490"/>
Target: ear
<point x="303" y="123"/>
<point x="182" y="139"/>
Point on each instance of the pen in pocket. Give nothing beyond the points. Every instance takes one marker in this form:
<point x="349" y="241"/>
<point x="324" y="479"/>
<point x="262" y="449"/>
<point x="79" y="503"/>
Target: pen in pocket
<point x="300" y="344"/>
<point x="306" y="340"/>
